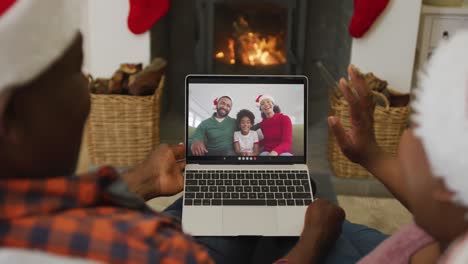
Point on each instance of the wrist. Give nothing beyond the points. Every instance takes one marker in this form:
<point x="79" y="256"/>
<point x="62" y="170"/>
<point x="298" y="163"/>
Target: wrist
<point x="138" y="185"/>
<point x="303" y="253"/>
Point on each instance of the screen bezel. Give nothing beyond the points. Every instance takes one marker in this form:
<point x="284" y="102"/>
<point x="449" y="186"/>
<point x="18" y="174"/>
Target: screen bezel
<point x="246" y="79"/>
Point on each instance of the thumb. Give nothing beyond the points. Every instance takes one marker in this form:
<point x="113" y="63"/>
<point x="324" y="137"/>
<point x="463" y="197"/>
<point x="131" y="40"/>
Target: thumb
<point x="178" y="150"/>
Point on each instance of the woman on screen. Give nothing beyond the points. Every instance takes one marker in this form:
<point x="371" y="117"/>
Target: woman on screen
<point x="276" y="128"/>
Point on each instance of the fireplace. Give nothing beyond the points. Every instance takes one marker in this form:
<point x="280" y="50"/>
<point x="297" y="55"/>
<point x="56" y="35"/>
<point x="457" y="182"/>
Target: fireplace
<point x="192" y="34"/>
<point x="250" y="37"/>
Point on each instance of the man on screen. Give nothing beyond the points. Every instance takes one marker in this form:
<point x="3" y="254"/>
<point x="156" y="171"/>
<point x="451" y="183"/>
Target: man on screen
<point x="213" y="137"/>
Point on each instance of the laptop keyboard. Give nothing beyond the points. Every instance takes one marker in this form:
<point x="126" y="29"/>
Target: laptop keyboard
<point x="239" y="187"/>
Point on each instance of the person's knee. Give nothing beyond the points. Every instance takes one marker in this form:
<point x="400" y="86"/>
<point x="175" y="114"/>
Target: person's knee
<point x="286" y="154"/>
<point x="265" y="153"/>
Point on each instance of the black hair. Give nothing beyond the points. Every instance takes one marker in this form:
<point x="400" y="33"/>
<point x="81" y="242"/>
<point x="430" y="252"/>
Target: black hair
<point x="244" y="113"/>
<point x="276" y="110"/>
<point x="224" y="96"/>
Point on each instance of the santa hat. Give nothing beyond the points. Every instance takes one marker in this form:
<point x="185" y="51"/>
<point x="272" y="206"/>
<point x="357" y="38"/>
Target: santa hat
<point x="34" y="34"/>
<point x="457" y="253"/>
<point x="260" y="98"/>
<point x="441" y="113"/>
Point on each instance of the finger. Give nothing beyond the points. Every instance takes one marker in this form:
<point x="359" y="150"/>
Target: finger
<point x="338" y="131"/>
<point x="193" y="150"/>
<point x="196" y="152"/>
<point x="352" y="100"/>
<point x="178" y="150"/>
<point x="199" y="151"/>
<point x="346" y="90"/>
<point x="179" y="177"/>
<point x="203" y="149"/>
<point x="182" y="165"/>
<point x="359" y="83"/>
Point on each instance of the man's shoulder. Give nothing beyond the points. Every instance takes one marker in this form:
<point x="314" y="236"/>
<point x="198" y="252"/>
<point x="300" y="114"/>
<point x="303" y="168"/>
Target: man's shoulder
<point x="232" y="120"/>
<point x="207" y="121"/>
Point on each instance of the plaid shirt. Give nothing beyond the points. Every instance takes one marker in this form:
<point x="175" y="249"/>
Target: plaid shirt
<point x="92" y="216"/>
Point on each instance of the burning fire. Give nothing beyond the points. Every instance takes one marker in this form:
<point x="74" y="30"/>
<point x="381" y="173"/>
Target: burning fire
<point x="251" y="47"/>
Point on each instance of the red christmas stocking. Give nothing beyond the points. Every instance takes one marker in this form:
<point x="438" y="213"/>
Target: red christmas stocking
<point x="365" y="13"/>
<point x="144" y="13"/>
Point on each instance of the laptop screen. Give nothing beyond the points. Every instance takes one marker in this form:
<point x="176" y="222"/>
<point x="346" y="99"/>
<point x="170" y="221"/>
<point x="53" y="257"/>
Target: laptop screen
<point x="246" y="119"/>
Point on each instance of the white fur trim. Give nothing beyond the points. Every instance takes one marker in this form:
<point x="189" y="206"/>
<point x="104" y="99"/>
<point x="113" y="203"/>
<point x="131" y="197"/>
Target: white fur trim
<point x="442" y="114"/>
<point x="35" y="33"/>
<point x="265" y="96"/>
<point x="457" y="253"/>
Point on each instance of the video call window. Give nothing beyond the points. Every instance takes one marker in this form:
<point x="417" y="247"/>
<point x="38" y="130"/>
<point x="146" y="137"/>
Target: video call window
<point x="245" y="120"/>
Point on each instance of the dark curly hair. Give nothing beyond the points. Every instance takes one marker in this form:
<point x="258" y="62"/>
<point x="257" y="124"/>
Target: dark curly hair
<point x="244" y="113"/>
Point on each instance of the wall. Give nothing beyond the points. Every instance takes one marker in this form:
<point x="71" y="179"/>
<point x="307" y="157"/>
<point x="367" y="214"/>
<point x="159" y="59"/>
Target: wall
<point x="388" y="49"/>
<point x="108" y="42"/>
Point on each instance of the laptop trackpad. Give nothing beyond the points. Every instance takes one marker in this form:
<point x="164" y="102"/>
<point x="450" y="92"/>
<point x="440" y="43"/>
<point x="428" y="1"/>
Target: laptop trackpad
<point x="244" y="220"/>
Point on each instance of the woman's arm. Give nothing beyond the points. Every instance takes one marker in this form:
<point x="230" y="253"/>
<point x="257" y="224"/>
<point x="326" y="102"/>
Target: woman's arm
<point x="387" y="169"/>
<point x="359" y="144"/>
<point x="286" y="136"/>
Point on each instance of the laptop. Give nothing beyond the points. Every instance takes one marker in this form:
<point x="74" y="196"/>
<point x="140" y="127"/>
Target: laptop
<point x="261" y="188"/>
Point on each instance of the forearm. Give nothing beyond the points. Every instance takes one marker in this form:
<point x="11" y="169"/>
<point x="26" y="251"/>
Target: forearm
<point x="387" y="169"/>
<point x="286" y="137"/>
<point x="306" y="252"/>
<point x="283" y="147"/>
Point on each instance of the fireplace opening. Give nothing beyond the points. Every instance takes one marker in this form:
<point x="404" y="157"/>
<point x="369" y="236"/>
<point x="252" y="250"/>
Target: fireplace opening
<point x="250" y="37"/>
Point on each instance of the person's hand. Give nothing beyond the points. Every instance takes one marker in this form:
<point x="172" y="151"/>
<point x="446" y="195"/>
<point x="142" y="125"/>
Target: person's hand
<point x="358" y="144"/>
<point x="273" y="153"/>
<point x="198" y="148"/>
<point x="323" y="220"/>
<point x="161" y="174"/>
<point x="322" y="227"/>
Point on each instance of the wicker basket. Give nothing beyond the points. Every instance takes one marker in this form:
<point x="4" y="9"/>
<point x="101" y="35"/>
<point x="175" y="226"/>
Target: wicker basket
<point x="389" y="124"/>
<point x="123" y="129"/>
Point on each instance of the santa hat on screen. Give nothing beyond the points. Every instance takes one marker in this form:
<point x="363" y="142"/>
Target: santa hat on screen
<point x="33" y="35"/>
<point x="441" y="113"/>
<point x="260" y="98"/>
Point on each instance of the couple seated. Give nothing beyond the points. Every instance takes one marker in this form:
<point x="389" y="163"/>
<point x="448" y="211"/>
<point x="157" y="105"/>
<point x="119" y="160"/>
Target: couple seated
<point x="221" y="135"/>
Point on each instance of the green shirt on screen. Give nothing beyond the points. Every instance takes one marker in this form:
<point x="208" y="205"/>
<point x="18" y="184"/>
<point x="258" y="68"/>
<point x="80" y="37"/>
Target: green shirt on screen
<point x="217" y="136"/>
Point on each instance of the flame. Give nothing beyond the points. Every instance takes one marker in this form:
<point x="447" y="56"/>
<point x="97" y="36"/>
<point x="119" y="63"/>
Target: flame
<point x="252" y="48"/>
